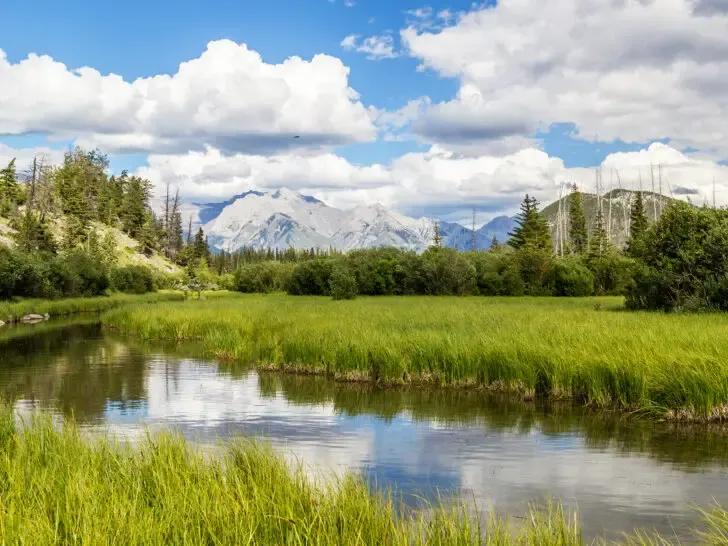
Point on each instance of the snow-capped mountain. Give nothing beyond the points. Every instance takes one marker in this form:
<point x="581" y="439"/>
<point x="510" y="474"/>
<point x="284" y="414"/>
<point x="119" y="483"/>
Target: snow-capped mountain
<point x="284" y="219"/>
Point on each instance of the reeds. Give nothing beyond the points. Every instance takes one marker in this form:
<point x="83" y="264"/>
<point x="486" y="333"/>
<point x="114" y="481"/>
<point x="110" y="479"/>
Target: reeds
<point x="59" y="487"/>
<point x="587" y="349"/>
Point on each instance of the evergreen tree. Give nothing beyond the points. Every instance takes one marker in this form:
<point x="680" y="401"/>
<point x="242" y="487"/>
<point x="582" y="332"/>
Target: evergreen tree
<point x="109" y="249"/>
<point x="531" y="228"/>
<point x="578" y="235"/>
<point x="147" y="236"/>
<point x="494" y="244"/>
<point x="599" y="243"/>
<point x="134" y="208"/>
<point x="637" y="227"/>
<point x="437" y="239"/>
<point x="200" y="248"/>
<point x="33" y="234"/>
<point x="10" y="189"/>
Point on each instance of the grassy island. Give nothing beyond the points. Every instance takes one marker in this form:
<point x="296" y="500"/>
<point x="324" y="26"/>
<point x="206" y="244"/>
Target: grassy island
<point x="586" y="349"/>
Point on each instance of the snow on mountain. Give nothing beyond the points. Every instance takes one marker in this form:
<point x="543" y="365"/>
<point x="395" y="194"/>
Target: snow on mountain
<point x="284" y="219"/>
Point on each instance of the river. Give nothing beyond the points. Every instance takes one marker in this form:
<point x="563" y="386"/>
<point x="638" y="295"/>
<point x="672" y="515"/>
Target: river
<point x="619" y="473"/>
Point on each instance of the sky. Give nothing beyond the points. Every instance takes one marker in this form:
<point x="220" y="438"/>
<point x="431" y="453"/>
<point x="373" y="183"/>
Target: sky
<point x="429" y="108"/>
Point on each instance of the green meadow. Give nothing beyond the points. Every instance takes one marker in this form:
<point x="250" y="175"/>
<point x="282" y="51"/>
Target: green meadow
<point x="585" y="349"/>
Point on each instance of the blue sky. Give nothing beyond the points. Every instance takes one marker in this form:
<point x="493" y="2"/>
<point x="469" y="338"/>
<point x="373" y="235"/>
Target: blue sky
<point x="503" y="102"/>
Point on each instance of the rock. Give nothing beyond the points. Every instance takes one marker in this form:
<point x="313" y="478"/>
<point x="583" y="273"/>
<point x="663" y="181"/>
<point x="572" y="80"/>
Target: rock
<point x="2" y="323"/>
<point x="31" y="318"/>
<point x="46" y="316"/>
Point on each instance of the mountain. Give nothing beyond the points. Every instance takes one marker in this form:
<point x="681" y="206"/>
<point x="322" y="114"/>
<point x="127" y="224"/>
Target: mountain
<point x="284" y="219"/>
<point x="620" y="202"/>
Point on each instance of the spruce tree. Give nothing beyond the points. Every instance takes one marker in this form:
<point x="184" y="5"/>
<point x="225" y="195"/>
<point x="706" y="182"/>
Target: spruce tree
<point x="10" y="190"/>
<point x="531" y="228"/>
<point x="637" y="227"/>
<point x="577" y="222"/>
<point x="437" y="238"/>
<point x="599" y="243"/>
<point x="494" y="244"/>
<point x="134" y="213"/>
<point x="33" y="234"/>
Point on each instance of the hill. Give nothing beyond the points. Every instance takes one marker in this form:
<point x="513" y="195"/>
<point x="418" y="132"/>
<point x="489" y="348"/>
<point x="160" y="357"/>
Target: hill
<point x="615" y="204"/>
<point x="127" y="248"/>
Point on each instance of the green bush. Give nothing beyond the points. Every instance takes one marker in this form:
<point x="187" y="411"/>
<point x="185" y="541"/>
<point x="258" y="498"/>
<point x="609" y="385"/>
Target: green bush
<point x="342" y="283"/>
<point x="311" y="278"/>
<point x="263" y="277"/>
<point x="684" y="261"/>
<point x="569" y="277"/>
<point x="134" y="279"/>
<point x="612" y="273"/>
<point x="446" y="272"/>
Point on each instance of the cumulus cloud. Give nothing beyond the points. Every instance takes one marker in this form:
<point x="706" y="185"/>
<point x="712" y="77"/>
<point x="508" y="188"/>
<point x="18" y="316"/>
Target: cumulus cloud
<point x="631" y="70"/>
<point x="24" y="156"/>
<point x="438" y="182"/>
<point x="374" y="47"/>
<point x="229" y="98"/>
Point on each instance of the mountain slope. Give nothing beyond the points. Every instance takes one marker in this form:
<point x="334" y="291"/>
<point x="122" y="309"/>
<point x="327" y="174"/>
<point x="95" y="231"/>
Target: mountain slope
<point x="621" y="203"/>
<point x="284" y="219"/>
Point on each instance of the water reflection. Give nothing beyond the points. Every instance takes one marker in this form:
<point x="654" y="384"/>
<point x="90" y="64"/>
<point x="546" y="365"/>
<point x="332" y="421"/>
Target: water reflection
<point x="620" y="473"/>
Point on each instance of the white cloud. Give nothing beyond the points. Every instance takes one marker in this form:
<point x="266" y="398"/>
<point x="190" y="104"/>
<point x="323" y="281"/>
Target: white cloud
<point x="627" y="69"/>
<point x="438" y="182"/>
<point x="374" y="47"/>
<point x="24" y="156"/>
<point x="228" y="97"/>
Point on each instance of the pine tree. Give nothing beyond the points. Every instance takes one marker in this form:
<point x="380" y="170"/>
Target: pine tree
<point x="437" y="238"/>
<point x="33" y="234"/>
<point x="109" y="249"/>
<point x="200" y="245"/>
<point x="599" y="243"/>
<point x="10" y="189"/>
<point x="578" y="235"/>
<point x="494" y="244"/>
<point x="134" y="208"/>
<point x="637" y="227"/>
<point x="531" y="228"/>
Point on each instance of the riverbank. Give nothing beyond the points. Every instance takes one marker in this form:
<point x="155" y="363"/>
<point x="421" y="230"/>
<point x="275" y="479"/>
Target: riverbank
<point x="586" y="349"/>
<point x="14" y="311"/>
<point x="59" y="486"/>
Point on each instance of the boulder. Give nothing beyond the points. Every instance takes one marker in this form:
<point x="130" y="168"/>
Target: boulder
<point x="2" y="323"/>
<point x="30" y="318"/>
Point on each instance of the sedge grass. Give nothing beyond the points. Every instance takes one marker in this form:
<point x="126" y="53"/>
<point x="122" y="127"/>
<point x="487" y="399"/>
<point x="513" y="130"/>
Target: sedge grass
<point x="588" y="349"/>
<point x="12" y="311"/>
<point x="58" y="486"/>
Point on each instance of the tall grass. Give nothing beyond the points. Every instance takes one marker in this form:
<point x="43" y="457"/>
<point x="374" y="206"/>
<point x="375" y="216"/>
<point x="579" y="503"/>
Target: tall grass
<point x="59" y="487"/>
<point x="588" y="349"/>
<point x="15" y="310"/>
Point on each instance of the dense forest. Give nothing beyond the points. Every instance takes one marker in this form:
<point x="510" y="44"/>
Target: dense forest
<point x="66" y="219"/>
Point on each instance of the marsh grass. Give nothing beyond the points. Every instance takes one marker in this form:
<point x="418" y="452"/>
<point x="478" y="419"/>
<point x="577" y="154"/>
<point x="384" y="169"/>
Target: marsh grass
<point x="15" y="310"/>
<point x="587" y="349"/>
<point x="59" y="486"/>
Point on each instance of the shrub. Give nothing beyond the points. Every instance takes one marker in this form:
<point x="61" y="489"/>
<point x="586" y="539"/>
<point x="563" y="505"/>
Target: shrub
<point x="342" y="283"/>
<point x="569" y="277"/>
<point x="310" y="278"/>
<point x="612" y="273"/>
<point x="135" y="279"/>
<point x="447" y="272"/>
<point x="684" y="260"/>
<point x="263" y="277"/>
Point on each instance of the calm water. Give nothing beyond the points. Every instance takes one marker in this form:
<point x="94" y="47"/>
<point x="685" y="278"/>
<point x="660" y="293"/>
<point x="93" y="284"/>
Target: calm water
<point x="620" y="474"/>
